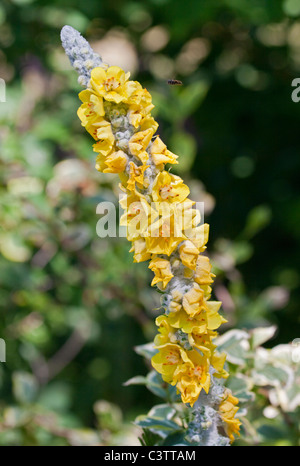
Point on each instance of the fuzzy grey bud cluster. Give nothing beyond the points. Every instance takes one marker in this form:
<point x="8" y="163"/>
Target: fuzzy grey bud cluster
<point x="81" y="55"/>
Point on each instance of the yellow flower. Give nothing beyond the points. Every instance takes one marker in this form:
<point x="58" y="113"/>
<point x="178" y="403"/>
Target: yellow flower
<point x="160" y="238"/>
<point x="106" y="138"/>
<point x="218" y="361"/>
<point x="162" y="269"/>
<point x="192" y="379"/>
<point x="168" y="359"/>
<point x="100" y="163"/>
<point x="202" y="341"/>
<point x="91" y="111"/>
<point x="169" y="188"/>
<point x="140" y="251"/>
<point x="110" y="84"/>
<point x="140" y="104"/>
<point x="137" y="215"/>
<point x="160" y="153"/>
<point x="214" y="319"/>
<point x="136" y="177"/>
<point x="180" y="319"/>
<point x="199" y="234"/>
<point x="186" y="217"/>
<point x="149" y="123"/>
<point x="139" y="143"/>
<point x="203" y="275"/>
<point x="193" y="301"/>
<point x="114" y="163"/>
<point x="175" y="304"/>
<point x="207" y="319"/>
<point x="164" y="235"/>
<point x="166" y="332"/>
<point x="227" y="411"/>
<point x="189" y="254"/>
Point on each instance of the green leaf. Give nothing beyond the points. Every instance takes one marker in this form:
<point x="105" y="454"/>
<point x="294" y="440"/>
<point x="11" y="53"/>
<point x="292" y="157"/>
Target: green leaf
<point x="258" y="218"/>
<point x="137" y="380"/>
<point x="271" y="375"/>
<point x="149" y="439"/>
<point x="25" y="387"/>
<point x="147" y="350"/>
<point x="241" y="251"/>
<point x="191" y="97"/>
<point x="177" y="439"/>
<point x="184" y="145"/>
<point x="260" y="335"/>
<point x="15" y="416"/>
<point x="240" y="385"/>
<point x="156" y="385"/>
<point x="161" y="427"/>
<point x="56" y="396"/>
<point x="236" y="345"/>
<point x="162" y="411"/>
<point x="83" y="437"/>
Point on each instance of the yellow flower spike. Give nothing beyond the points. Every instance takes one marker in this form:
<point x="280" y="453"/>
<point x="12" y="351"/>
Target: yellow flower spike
<point x="139" y="143"/>
<point x="168" y="234"/>
<point x="169" y="188"/>
<point x="162" y="270"/>
<point x="160" y="153"/>
<point x="110" y="83"/>
<point x="227" y="411"/>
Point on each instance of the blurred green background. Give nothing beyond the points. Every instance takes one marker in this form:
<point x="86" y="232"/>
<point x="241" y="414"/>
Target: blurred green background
<point x="73" y="305"/>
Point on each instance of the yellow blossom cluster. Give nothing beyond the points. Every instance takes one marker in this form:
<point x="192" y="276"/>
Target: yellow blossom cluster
<point x="163" y="227"/>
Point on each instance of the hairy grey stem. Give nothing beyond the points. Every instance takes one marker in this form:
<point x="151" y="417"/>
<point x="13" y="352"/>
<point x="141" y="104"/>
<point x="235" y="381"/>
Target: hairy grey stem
<point x="204" y="427"/>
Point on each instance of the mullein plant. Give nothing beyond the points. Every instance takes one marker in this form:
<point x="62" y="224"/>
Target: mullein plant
<point x="164" y="228"/>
